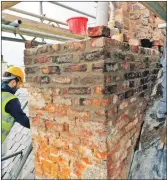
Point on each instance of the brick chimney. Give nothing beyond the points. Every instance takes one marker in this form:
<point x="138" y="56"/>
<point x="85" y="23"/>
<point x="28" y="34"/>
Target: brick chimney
<point x="86" y="103"/>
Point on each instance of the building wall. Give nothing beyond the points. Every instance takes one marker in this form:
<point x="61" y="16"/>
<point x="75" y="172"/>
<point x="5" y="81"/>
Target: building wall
<point x="86" y="102"/>
<point x="138" y="22"/>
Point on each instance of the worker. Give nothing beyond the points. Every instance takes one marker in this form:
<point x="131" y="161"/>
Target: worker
<point x="12" y="80"/>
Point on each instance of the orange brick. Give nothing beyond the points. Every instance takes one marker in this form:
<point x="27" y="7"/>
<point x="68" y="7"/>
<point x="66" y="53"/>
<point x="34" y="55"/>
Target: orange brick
<point x="75" y="147"/>
<point x="50" y="108"/>
<point x="54" y="159"/>
<point x="37" y="122"/>
<point x="53" y="126"/>
<point x="81" y="167"/>
<point x="36" y="139"/>
<point x="65" y="171"/>
<point x="59" y="143"/>
<point x="70" y="137"/>
<point x="43" y="146"/>
<point x="36" y="158"/>
<point x="43" y="154"/>
<point x="61" y="110"/>
<point x="103" y="155"/>
<point x="38" y="168"/>
<point x="62" y="176"/>
<point x="46" y="166"/>
<point x="96" y="102"/>
<point x="47" y="175"/>
<point x="54" y="170"/>
<point x="80" y="115"/>
<point x="61" y="161"/>
<point x="86" y="160"/>
<point x="53" y="150"/>
<point x="101" y="102"/>
<point x="85" y="132"/>
<point x="78" y="173"/>
<point x="38" y="172"/>
<point x="99" y="90"/>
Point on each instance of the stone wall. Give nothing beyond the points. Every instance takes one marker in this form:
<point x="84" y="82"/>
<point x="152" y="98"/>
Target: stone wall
<point x="86" y="103"/>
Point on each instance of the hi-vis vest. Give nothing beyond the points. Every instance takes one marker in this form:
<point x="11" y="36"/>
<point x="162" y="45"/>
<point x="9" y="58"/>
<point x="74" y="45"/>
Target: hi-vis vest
<point x="7" y="119"/>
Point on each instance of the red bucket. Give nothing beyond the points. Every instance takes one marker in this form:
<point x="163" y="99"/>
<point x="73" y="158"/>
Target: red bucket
<point x="77" y="25"/>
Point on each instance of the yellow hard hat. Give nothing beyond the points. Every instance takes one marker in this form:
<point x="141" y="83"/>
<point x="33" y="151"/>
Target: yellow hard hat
<point x="16" y="71"/>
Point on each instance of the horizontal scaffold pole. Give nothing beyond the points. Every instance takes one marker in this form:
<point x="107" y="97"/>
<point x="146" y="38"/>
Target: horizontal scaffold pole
<point x="37" y="16"/>
<point x="72" y="9"/>
<point x="17" y="40"/>
<point x="11" y="29"/>
<point x="42" y="27"/>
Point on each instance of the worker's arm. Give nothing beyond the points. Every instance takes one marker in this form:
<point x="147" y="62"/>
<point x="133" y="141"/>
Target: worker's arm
<point x="13" y="107"/>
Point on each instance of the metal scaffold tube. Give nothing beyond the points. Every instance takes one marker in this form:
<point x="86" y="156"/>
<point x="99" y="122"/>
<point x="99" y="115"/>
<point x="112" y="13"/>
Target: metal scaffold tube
<point x="72" y="9"/>
<point x="28" y="32"/>
<point x="41" y="13"/>
<point x="37" y="16"/>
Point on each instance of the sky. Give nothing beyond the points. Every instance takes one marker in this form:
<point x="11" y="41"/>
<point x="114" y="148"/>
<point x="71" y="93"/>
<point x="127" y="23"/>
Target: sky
<point x="13" y="51"/>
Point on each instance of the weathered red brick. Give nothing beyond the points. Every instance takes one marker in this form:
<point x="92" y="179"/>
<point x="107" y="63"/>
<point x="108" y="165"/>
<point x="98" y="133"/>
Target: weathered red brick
<point x="88" y="79"/>
<point x="31" y="70"/>
<point x="111" y="112"/>
<point x="44" y="79"/>
<point x="56" y="47"/>
<point x="51" y="70"/>
<point x="98" y="31"/>
<point x="53" y="126"/>
<point x="58" y="100"/>
<point x="61" y="110"/>
<point x="80" y="115"/>
<point x="79" y="90"/>
<point x="71" y="138"/>
<point x="101" y="102"/>
<point x="111" y="67"/>
<point x="61" y="79"/>
<point x="123" y="105"/>
<point x="97" y="42"/>
<point x="43" y="60"/>
<point x="27" y="60"/>
<point x="63" y="59"/>
<point x="43" y="49"/>
<point x="98" y="67"/>
<point x="75" y="68"/>
<point x="134" y="49"/>
<point x="105" y="90"/>
<point x="84" y="101"/>
<point x="30" y="44"/>
<point x="96" y="55"/>
<point x="36" y="79"/>
<point x="74" y="46"/>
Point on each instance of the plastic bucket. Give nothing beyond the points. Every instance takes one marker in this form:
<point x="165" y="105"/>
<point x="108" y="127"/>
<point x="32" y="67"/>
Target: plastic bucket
<point x="77" y="25"/>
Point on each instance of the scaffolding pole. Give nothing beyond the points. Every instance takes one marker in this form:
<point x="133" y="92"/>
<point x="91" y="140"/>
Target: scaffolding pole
<point x="37" y="16"/>
<point x="28" y="32"/>
<point x="72" y="9"/>
<point x="17" y="40"/>
<point x="41" y="13"/>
